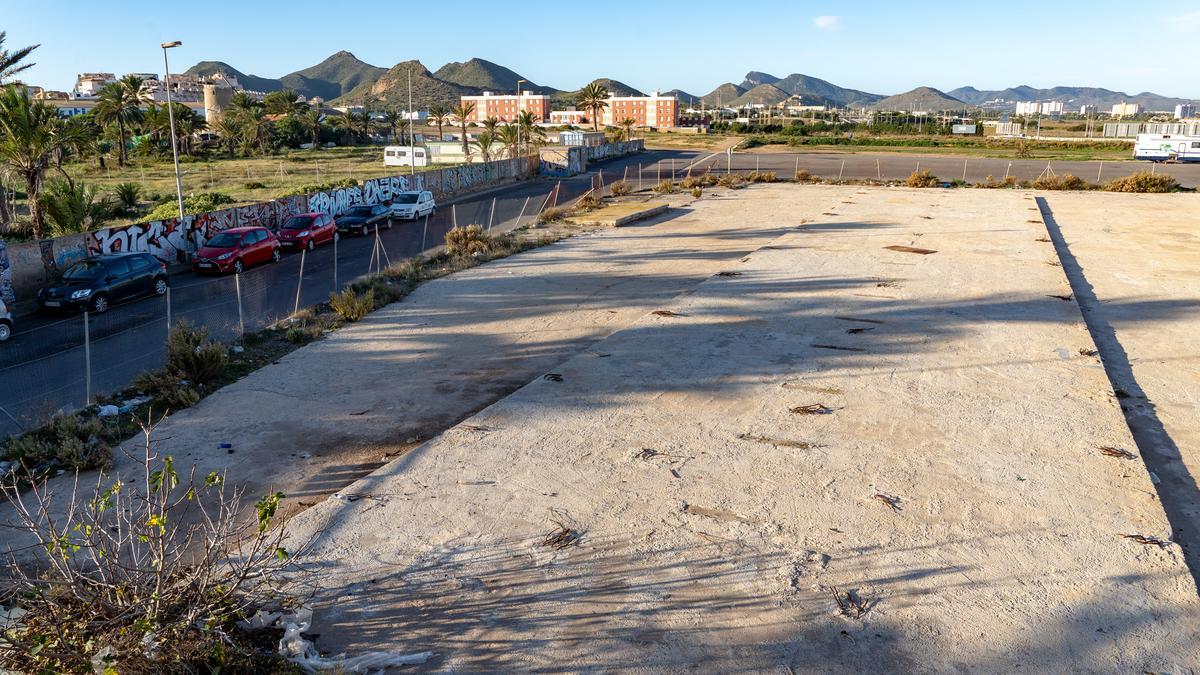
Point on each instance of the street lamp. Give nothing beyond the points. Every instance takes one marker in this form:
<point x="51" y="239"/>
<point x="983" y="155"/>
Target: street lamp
<point x="519" y="115"/>
<point x="171" y="115"/>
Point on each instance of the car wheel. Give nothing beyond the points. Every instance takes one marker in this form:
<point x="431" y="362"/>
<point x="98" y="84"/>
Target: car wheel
<point x="238" y="266"/>
<point x="311" y="244"/>
<point x="365" y="230"/>
<point x="5" y="331"/>
<point x="99" y="304"/>
<point x="160" y="286"/>
<point x="276" y="256"/>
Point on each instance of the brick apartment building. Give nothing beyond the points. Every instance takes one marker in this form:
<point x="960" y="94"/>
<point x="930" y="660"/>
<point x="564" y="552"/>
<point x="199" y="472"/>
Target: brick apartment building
<point x="656" y="111"/>
<point x="506" y="107"/>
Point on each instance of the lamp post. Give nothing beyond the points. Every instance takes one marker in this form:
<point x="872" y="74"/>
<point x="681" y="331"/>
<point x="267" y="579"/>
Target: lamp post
<point x="519" y="153"/>
<point x="171" y="115"/>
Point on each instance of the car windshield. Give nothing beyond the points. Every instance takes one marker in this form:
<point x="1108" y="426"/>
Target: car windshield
<point x="298" y="223"/>
<point x="85" y="269"/>
<point x="359" y="211"/>
<point x="225" y="240"/>
<point x="406" y="199"/>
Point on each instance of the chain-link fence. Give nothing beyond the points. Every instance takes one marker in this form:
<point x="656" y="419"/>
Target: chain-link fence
<point x="64" y="362"/>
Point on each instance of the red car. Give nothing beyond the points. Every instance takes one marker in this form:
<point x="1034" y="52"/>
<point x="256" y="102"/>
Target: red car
<point x="307" y="230"/>
<point x="236" y="249"/>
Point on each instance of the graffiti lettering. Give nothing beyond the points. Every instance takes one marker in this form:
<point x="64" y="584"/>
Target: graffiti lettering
<point x="6" y="286"/>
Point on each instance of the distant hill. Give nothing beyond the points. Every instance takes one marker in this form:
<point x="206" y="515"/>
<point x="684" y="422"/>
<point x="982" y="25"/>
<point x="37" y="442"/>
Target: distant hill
<point x="332" y="77"/>
<point x="722" y="95"/>
<point x="763" y="94"/>
<point x="811" y="88"/>
<point x="684" y="98"/>
<point x="1072" y="96"/>
<point x="251" y="82"/>
<point x="391" y="89"/>
<point x="755" y="78"/>
<point x="570" y="98"/>
<point x="486" y="75"/>
<point x="920" y="99"/>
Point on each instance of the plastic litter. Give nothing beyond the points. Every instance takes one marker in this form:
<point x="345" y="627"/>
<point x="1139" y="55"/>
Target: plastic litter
<point x="225" y="446"/>
<point x="109" y="411"/>
<point x="304" y="653"/>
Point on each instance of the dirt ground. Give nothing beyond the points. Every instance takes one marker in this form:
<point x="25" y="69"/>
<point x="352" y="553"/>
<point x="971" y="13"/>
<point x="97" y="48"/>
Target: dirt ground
<point x="874" y="443"/>
<point x="1135" y="258"/>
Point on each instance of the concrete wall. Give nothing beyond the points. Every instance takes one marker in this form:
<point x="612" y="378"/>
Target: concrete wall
<point x="573" y="160"/>
<point x="34" y="264"/>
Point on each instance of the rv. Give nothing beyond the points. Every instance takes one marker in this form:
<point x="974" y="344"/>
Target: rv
<point x="405" y="155"/>
<point x="1167" y="148"/>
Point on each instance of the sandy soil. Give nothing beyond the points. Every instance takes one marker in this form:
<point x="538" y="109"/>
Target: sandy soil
<point x="845" y="457"/>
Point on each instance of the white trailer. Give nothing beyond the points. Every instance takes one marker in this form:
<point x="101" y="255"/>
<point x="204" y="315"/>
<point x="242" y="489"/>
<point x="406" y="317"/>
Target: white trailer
<point x="405" y="155"/>
<point x="1167" y="148"/>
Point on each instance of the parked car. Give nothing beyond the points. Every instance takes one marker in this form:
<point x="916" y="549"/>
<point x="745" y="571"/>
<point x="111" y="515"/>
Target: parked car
<point x="363" y="219"/>
<point x="307" y="230"/>
<point x="413" y="204"/>
<point x="6" y="322"/>
<point x="98" y="282"/>
<point x="236" y="249"/>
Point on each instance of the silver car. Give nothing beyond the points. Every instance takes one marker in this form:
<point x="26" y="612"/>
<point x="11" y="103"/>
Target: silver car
<point x="413" y="204"/>
<point x="6" y="324"/>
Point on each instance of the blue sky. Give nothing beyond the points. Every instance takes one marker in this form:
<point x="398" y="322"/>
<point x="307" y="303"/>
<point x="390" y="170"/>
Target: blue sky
<point x="878" y="47"/>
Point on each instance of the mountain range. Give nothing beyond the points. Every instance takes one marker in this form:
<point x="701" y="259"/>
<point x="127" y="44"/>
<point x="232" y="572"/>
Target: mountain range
<point x="344" y="79"/>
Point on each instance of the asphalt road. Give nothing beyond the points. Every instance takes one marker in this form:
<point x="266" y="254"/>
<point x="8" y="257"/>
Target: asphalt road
<point x="44" y="366"/>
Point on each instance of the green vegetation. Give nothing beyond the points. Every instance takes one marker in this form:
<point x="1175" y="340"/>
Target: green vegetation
<point x="593" y="99"/>
<point x="350" y="305"/>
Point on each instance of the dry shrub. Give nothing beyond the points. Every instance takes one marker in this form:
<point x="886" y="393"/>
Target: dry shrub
<point x="194" y="357"/>
<point x="803" y="176"/>
<point x="763" y="177"/>
<point x="144" y="576"/>
<point x="168" y="389"/>
<point x="697" y="192"/>
<point x="730" y="180"/>
<point x="691" y="183"/>
<point x="1063" y="182"/>
<point x="351" y="305"/>
<point x="469" y="240"/>
<point x="1143" y="181"/>
<point x="588" y="202"/>
<point x="409" y="271"/>
<point x="921" y="179"/>
<point x="620" y="188"/>
<point x="991" y="183"/>
<point x="665" y="187"/>
<point x="68" y="441"/>
<point x="553" y="214"/>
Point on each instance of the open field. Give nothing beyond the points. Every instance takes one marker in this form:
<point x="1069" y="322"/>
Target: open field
<point x="793" y="428"/>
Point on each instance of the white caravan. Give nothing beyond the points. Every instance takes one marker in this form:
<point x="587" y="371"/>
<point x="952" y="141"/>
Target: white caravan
<point x="405" y="155"/>
<point x="1167" y="148"/>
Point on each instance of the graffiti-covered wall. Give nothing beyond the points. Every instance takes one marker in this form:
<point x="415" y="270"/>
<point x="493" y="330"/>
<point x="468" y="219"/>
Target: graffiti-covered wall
<point x="6" y="286"/>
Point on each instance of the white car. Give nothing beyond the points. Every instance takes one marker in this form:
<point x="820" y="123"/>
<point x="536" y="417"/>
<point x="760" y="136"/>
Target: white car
<point x="5" y="322"/>
<point x="413" y="204"/>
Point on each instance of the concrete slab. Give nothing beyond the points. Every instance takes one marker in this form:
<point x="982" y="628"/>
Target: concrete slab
<point x="837" y="457"/>
<point x="616" y="215"/>
<point x="1140" y="288"/>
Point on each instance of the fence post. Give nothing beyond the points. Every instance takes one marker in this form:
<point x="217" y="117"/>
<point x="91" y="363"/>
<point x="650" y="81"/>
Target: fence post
<point x="87" y="361"/>
<point x="424" y="231"/>
<point x="335" y="243"/>
<point x="878" y="171"/>
<point x="299" y="281"/>
<point x="1100" y="172"/>
<point x="522" y="214"/>
<point x="964" y="170"/>
<point x="237" y="287"/>
<point x="640" y="178"/>
<point x="658" y="172"/>
<point x="491" y="215"/>
<point x="168" y="310"/>
<point x="1007" y="170"/>
<point x="841" y="170"/>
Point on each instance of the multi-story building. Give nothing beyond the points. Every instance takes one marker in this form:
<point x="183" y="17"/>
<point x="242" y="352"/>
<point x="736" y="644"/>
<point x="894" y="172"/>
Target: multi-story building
<point x="1039" y="107"/>
<point x="1185" y="111"/>
<point x="88" y="85"/>
<point x="655" y="111"/>
<point x="506" y="107"/>
<point x="1087" y="110"/>
<point x="1126" y="109"/>
<point x="573" y="117"/>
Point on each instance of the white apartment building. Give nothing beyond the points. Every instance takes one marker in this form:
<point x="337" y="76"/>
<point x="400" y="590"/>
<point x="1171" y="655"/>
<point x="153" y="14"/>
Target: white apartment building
<point x="1039" y="107"/>
<point x="88" y="85"/>
<point x="1087" y="110"/>
<point x="1126" y="109"/>
<point x="1185" y="111"/>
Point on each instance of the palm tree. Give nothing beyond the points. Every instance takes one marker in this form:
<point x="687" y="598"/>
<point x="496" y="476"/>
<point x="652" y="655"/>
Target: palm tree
<point x="228" y="128"/>
<point x="10" y="62"/>
<point x="310" y="122"/>
<point x="29" y="141"/>
<point x="242" y="101"/>
<point x="627" y="126"/>
<point x="594" y="99"/>
<point x="74" y="208"/>
<point x="461" y="112"/>
<point x="255" y="130"/>
<point x="119" y="105"/>
<point x="188" y="122"/>
<point x="509" y="137"/>
<point x="531" y="133"/>
<point x="439" y="115"/>
<point x="485" y="141"/>
<point x="283" y="102"/>
<point x="490" y="125"/>
<point x="394" y="120"/>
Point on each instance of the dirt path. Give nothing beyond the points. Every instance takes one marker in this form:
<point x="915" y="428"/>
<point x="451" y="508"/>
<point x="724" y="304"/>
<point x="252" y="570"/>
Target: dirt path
<point x="877" y="445"/>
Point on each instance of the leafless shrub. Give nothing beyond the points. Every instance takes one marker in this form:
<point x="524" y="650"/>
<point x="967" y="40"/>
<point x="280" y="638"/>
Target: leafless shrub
<point x="804" y="176"/>
<point x="142" y="576"/>
<point x="851" y="603"/>
<point x="620" y="188"/>
<point x="588" y="202"/>
<point x="469" y="240"/>
<point x="1064" y="182"/>
<point x="1143" y="181"/>
<point x="560" y="537"/>
<point x="921" y="179"/>
<point x="553" y="214"/>
<point x="890" y="501"/>
<point x="812" y="409"/>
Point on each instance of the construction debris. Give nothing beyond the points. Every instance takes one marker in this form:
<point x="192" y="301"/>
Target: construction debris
<point x="665" y="312"/>
<point x="1148" y="541"/>
<point x="729" y="274"/>
<point x="553" y="377"/>
<point x="1084" y="351"/>
<point x="1116" y="452"/>
<point x="910" y="249"/>
<point x="560" y="537"/>
<point x="892" y="502"/>
<point x="811" y="409"/>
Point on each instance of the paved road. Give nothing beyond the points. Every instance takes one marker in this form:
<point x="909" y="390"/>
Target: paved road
<point x="898" y="166"/>
<point x="44" y="366"/>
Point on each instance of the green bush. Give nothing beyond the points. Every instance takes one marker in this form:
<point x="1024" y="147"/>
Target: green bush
<point x="198" y="203"/>
<point x="309" y="188"/>
<point x="69" y="441"/>
<point x="194" y="357"/>
<point x="1143" y="181"/>
<point x="167" y="389"/>
<point x="351" y="305"/>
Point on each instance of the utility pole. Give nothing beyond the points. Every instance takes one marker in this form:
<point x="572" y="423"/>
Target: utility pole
<point x="171" y="115"/>
<point x="412" y="157"/>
